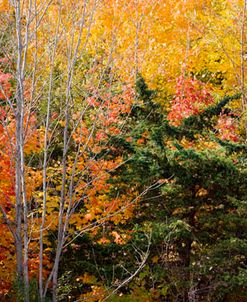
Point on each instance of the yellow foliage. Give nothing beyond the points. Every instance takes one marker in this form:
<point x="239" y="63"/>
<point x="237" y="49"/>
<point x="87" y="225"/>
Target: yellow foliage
<point x="4" y="6"/>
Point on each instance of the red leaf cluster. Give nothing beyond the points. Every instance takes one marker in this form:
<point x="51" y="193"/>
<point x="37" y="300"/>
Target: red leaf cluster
<point x="227" y="128"/>
<point x="192" y="96"/>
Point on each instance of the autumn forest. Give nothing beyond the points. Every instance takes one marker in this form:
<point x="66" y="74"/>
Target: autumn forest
<point x="123" y="155"/>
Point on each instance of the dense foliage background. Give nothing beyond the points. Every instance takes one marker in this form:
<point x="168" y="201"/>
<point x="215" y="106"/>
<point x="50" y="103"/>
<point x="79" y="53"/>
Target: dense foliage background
<point x="123" y="157"/>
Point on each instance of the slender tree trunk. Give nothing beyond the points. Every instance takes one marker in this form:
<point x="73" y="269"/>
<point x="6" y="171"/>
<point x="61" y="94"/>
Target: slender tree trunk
<point x="21" y="202"/>
<point x="18" y="210"/>
<point x="62" y="225"/>
<point x="45" y="162"/>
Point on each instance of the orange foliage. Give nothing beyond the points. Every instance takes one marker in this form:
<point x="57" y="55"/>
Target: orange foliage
<point x="5" y="86"/>
<point x="7" y="186"/>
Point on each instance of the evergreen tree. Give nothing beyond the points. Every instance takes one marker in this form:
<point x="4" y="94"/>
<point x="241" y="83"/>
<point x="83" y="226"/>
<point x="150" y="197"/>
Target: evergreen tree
<point x="195" y="204"/>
